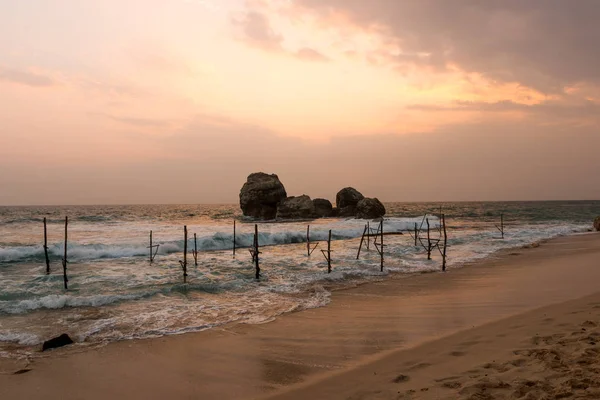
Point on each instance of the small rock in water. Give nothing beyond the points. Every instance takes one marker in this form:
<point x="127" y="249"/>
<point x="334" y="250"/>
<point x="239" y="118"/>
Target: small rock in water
<point x="59" y="341"/>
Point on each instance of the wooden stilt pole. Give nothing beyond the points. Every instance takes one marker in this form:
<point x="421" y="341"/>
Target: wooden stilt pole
<point x="362" y="238"/>
<point x="308" y="240"/>
<point x="381" y="244"/>
<point x="184" y="262"/>
<point x="46" y="248"/>
<point x="428" y="241"/>
<point x="329" y="253"/>
<point x="256" y="252"/>
<point x="501" y="227"/>
<point x="368" y="235"/>
<point x="64" y="261"/>
<point x="234" y="243"/>
<point x="195" y="251"/>
<point x="151" y="248"/>
<point x="445" y="243"/>
<point x="416" y="234"/>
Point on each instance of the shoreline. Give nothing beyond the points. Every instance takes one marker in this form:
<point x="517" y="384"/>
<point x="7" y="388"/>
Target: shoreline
<point x="255" y="360"/>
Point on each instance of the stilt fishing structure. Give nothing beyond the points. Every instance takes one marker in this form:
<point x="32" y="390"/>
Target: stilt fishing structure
<point x="429" y="244"/>
<point x="234" y="244"/>
<point x="153" y="249"/>
<point x="255" y="251"/>
<point x="369" y="232"/>
<point x="309" y="250"/>
<point x="64" y="260"/>
<point x="327" y="253"/>
<point x="184" y="262"/>
<point x="501" y="226"/>
<point x="46" y="248"/>
<point x="195" y="252"/>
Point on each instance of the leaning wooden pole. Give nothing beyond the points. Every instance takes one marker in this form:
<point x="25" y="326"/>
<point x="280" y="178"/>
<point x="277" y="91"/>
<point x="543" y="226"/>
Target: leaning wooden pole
<point x="256" y="252"/>
<point x="234" y="243"/>
<point x="329" y="253"/>
<point x="445" y="244"/>
<point x="46" y="248"/>
<point x="64" y="261"/>
<point x="381" y="244"/>
<point x="502" y="225"/>
<point x="362" y="239"/>
<point x="428" y="241"/>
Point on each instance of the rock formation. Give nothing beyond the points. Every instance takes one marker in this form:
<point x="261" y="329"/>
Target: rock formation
<point x="597" y="223"/>
<point x="348" y="197"/>
<point x="261" y="194"/>
<point x="296" y="207"/>
<point x="369" y="208"/>
<point x="323" y="208"/>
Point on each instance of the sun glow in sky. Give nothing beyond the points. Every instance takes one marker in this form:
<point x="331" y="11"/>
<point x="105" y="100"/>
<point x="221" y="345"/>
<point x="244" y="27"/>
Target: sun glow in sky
<point x="122" y="101"/>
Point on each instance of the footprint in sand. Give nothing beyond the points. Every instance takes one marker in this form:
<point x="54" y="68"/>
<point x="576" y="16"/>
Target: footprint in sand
<point x="458" y="353"/>
<point x="401" y="378"/>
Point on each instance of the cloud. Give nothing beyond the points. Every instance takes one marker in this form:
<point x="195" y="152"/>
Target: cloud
<point x="142" y="122"/>
<point x="255" y="29"/>
<point x="309" y="54"/>
<point x="543" y="44"/>
<point x="551" y="111"/>
<point x="27" y="78"/>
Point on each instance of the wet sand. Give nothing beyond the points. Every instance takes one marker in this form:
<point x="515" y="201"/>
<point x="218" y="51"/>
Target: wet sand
<point x="326" y="352"/>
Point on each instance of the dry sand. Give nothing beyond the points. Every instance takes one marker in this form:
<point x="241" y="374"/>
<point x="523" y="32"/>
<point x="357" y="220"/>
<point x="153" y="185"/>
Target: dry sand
<point x="549" y="353"/>
<point x="392" y="339"/>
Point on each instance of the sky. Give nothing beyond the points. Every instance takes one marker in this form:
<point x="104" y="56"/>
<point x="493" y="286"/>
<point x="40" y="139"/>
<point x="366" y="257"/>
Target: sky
<point x="178" y="101"/>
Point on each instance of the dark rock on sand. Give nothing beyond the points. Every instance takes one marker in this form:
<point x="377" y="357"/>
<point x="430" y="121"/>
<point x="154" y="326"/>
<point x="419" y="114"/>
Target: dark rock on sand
<point x="296" y="207"/>
<point x="369" y="208"/>
<point x="597" y="224"/>
<point x="56" y="342"/>
<point x="323" y="208"/>
<point x="261" y="194"/>
<point x="348" y="197"/>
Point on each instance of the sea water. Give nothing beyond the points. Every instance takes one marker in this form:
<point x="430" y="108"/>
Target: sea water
<point x="115" y="293"/>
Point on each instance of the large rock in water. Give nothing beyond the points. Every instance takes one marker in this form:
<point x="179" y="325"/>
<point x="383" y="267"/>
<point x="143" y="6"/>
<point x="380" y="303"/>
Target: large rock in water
<point x="597" y="224"/>
<point x="323" y="208"/>
<point x="348" y="197"/>
<point x="370" y="208"/>
<point x="296" y="207"/>
<point x="260" y="195"/>
<point x="56" y="342"/>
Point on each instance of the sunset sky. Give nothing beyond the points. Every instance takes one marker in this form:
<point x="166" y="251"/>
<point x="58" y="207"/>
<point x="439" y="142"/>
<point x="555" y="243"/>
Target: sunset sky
<point x="177" y="101"/>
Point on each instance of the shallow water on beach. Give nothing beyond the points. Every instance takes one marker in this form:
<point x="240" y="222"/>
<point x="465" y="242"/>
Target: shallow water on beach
<point x="115" y="293"/>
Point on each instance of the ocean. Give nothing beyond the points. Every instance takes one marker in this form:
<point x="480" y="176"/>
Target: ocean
<point x="115" y="293"/>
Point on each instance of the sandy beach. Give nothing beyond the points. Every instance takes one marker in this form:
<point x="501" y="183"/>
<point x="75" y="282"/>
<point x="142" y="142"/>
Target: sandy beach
<point x="521" y="325"/>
